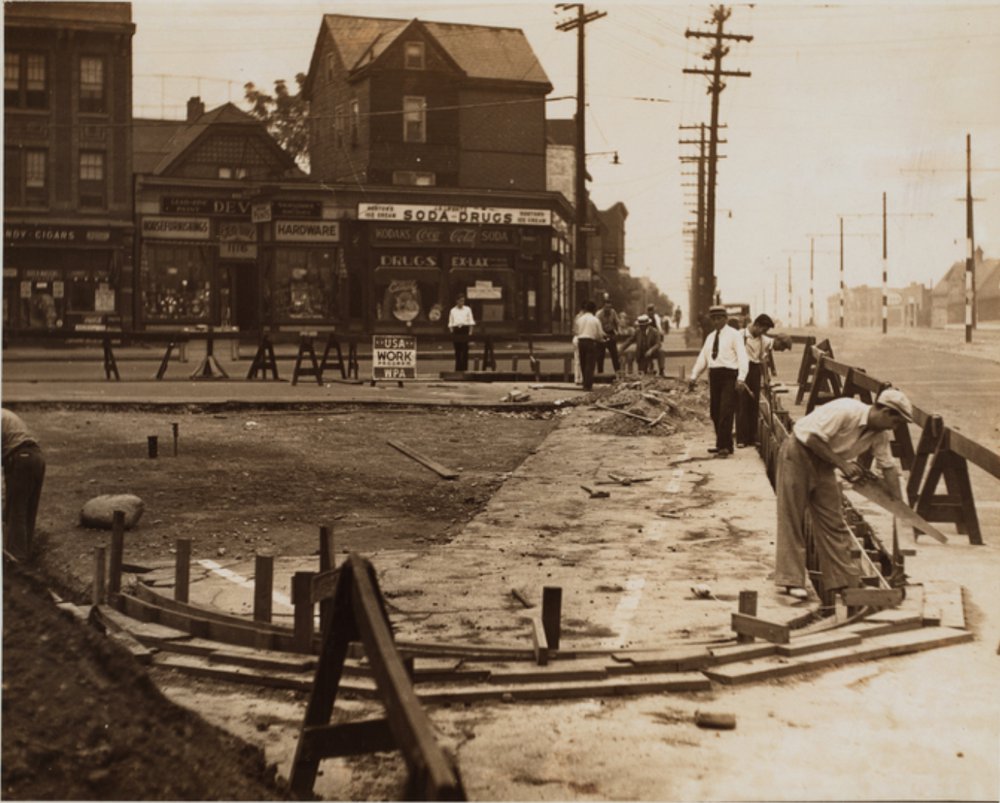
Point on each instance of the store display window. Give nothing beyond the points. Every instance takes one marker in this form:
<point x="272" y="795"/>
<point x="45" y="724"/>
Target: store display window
<point x="304" y="284"/>
<point x="408" y="296"/>
<point x="176" y="283"/>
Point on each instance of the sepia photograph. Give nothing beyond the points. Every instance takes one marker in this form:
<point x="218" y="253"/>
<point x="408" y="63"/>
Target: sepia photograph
<point x="501" y="401"/>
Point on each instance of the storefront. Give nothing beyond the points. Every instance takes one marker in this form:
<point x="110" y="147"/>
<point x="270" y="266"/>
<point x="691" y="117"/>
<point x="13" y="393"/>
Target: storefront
<point x="422" y="257"/>
<point x="224" y="261"/>
<point x="66" y="278"/>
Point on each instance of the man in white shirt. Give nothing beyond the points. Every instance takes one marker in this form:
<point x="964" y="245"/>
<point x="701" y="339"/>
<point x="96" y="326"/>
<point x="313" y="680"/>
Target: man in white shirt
<point x="829" y="438"/>
<point x="589" y="333"/>
<point x="725" y="356"/>
<point x="460" y="322"/>
<point x="759" y="347"/>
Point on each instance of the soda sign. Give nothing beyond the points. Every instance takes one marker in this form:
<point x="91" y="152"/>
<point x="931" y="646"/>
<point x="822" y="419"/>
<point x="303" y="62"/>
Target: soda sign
<point x="394" y="357"/>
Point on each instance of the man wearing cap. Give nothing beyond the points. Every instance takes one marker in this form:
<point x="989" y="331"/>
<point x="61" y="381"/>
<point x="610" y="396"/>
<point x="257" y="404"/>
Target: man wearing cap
<point x="725" y="356"/>
<point x="830" y="438"/>
<point x="759" y="348"/>
<point x="648" y="351"/>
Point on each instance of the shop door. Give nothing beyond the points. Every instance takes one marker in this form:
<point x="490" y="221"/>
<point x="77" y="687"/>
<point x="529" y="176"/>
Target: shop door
<point x="243" y="291"/>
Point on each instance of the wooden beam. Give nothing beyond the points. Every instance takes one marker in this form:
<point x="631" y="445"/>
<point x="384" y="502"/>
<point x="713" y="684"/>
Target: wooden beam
<point x="347" y="739"/>
<point x="445" y="473"/>
<point x="752" y="626"/>
<point x="540" y="643"/>
<point x="873" y="597"/>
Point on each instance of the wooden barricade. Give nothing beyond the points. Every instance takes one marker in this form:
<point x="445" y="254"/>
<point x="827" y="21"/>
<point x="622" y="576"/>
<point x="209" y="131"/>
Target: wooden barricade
<point x="358" y="614"/>
<point x="264" y="360"/>
<point x="826" y="383"/>
<point x="956" y="505"/>
<point x="318" y="366"/>
<point x="806" y="368"/>
<point x="110" y="364"/>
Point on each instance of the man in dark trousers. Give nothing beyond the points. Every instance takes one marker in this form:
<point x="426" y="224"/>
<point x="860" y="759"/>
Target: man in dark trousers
<point x="759" y="348"/>
<point x="610" y="324"/>
<point x="588" y="334"/>
<point x="460" y="322"/>
<point x="23" y="473"/>
<point x="725" y="357"/>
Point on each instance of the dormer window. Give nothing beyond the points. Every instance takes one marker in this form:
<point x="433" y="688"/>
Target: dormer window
<point x="414" y="58"/>
<point x="232" y="172"/>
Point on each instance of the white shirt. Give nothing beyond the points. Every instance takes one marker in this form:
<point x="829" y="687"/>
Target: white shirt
<point x="588" y="327"/>
<point x="732" y="354"/>
<point x="840" y="424"/>
<point x="460" y="316"/>
<point x="758" y="348"/>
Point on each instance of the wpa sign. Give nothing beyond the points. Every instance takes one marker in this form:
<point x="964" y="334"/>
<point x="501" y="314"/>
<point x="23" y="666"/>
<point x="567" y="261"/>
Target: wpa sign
<point x="394" y="357"/>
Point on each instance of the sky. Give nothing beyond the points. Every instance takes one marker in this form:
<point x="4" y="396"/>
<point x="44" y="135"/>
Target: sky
<point x="844" y="103"/>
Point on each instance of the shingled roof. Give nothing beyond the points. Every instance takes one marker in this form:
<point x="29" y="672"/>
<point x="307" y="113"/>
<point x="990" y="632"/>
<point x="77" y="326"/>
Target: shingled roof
<point x="480" y="51"/>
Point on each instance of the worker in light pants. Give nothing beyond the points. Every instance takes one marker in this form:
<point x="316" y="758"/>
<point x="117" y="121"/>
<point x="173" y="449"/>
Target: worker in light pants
<point x="830" y="438"/>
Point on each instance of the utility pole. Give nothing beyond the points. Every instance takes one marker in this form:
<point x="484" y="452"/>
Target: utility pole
<point x="812" y="292"/>
<point x="885" y="272"/>
<point x="789" y="319"/>
<point x="706" y="278"/>
<point x="698" y="259"/>
<point x="579" y="23"/>
<point x="970" y="247"/>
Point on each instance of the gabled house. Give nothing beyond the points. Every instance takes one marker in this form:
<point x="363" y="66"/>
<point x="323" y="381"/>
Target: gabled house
<point x="410" y="102"/>
<point x="948" y="296"/>
<point x="230" y="231"/>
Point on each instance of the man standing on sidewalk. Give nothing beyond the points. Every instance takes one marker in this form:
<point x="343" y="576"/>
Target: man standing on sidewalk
<point x="460" y="322"/>
<point x="725" y="357"/>
<point x="829" y="438"/>
<point x="23" y="473"/>
<point x="589" y="334"/>
<point x="759" y="347"/>
<point x="610" y="324"/>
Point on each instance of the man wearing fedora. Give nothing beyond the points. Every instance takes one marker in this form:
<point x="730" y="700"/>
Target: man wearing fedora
<point x="830" y="438"/>
<point x="725" y="356"/>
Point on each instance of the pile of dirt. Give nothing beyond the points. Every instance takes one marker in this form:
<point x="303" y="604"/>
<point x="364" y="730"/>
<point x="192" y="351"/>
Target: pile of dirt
<point x="655" y="405"/>
<point x="83" y="721"/>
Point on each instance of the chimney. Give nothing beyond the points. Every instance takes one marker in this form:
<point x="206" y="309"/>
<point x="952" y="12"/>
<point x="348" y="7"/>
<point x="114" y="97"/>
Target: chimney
<point x="195" y="109"/>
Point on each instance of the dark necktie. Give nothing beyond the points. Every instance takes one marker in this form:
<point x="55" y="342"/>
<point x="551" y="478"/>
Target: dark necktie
<point x="715" y="345"/>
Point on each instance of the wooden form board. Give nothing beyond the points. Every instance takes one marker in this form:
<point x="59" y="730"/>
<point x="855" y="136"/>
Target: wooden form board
<point x="443" y="471"/>
<point x="752" y="626"/>
<point x="869" y="649"/>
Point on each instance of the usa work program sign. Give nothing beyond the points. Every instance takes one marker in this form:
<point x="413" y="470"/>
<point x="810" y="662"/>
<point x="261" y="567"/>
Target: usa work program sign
<point x="394" y="357"/>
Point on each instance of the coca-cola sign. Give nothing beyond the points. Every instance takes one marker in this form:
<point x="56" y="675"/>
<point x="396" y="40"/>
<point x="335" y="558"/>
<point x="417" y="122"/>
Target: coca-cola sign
<point x="402" y="234"/>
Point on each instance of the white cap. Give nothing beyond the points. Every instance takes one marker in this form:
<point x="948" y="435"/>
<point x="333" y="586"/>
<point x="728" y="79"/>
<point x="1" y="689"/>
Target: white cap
<point x="896" y="400"/>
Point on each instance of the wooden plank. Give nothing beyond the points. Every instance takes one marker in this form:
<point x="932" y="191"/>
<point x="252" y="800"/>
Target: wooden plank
<point x="947" y="599"/>
<point x="682" y="682"/>
<point x="539" y="642"/>
<point x="742" y="652"/>
<point x="677" y="659"/>
<point x="869" y="649"/>
<point x="283" y="662"/>
<point x="873" y="597"/>
<point x="556" y="671"/>
<point x="197" y="666"/>
<point x="752" y="626"/>
<point x="819" y="642"/>
<point x="146" y="632"/>
<point x="442" y="471"/>
<point x="868" y="629"/>
<point x="163" y="602"/>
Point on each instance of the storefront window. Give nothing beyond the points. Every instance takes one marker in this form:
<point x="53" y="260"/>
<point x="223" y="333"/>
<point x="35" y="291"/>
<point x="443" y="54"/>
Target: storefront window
<point x="305" y="284"/>
<point x="487" y="282"/>
<point x="409" y="294"/>
<point x="176" y="282"/>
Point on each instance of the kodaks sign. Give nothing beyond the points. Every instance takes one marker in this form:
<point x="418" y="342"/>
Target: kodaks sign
<point x="429" y="213"/>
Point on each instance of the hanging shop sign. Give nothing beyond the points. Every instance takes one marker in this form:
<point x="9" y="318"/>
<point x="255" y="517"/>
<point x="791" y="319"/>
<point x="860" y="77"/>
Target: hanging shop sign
<point x="237" y="240"/>
<point x="175" y="228"/>
<point x="429" y="213"/>
<point x="394" y="357"/>
<point x="303" y="210"/>
<point x="299" y="231"/>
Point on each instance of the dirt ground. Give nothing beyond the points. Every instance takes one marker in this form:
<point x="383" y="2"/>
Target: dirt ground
<point x="81" y="719"/>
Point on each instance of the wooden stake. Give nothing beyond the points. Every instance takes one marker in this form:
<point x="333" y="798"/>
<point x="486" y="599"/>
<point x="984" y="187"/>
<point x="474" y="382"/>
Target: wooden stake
<point x="303" y="617"/>
<point x="551" y="615"/>
<point x="117" y="551"/>
<point x="748" y="605"/>
<point x="152" y="445"/>
<point x="100" y="567"/>
<point x="182" y="570"/>
<point x="263" y="585"/>
<point x="176" y="430"/>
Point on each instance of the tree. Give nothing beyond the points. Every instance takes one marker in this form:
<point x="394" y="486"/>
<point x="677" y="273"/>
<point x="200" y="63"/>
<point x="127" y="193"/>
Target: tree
<point x="285" y="115"/>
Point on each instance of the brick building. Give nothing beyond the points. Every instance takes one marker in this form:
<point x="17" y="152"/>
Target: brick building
<point x="906" y="306"/>
<point x="434" y="135"/>
<point x="67" y="166"/>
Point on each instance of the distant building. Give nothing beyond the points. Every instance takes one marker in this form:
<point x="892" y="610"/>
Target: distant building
<point x="67" y="251"/>
<point x="948" y="299"/>
<point x="433" y="136"/>
<point x="908" y="306"/>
